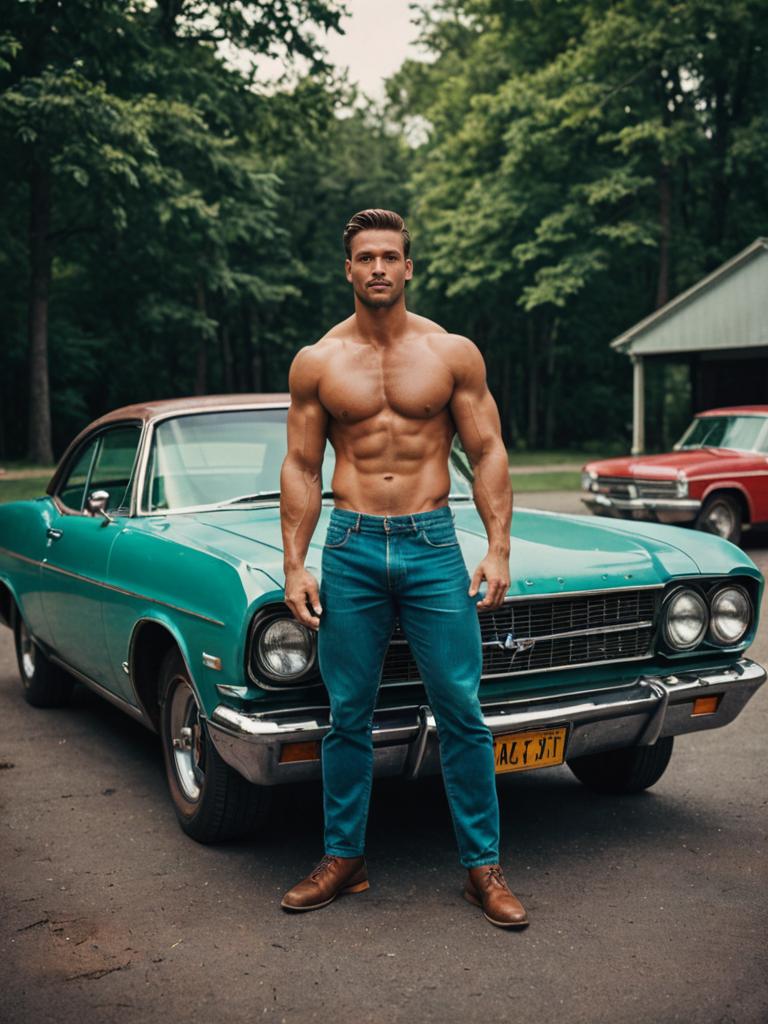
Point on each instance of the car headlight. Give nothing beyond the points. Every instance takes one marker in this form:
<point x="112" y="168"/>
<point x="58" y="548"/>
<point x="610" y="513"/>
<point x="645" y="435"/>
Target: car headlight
<point x="730" y="615"/>
<point x="686" y="619"/>
<point x="282" y="650"/>
<point x="586" y="480"/>
<point x="681" y="485"/>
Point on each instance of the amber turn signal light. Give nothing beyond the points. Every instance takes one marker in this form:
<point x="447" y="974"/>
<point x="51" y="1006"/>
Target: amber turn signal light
<point x="705" y="705"/>
<point x="299" y="752"/>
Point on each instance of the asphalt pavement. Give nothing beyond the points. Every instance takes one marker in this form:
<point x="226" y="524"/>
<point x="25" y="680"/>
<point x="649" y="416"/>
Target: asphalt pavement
<point x="650" y="908"/>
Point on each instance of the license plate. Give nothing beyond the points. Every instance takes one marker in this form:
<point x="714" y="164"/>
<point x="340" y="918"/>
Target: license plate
<point x="520" y="751"/>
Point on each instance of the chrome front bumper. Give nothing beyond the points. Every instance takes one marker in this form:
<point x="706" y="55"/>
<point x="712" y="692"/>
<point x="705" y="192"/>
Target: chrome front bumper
<point x="659" y="510"/>
<point x="405" y="739"/>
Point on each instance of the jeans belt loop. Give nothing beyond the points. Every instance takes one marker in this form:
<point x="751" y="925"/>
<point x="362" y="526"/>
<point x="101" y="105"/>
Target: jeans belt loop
<point x="414" y="527"/>
<point x="356" y="527"/>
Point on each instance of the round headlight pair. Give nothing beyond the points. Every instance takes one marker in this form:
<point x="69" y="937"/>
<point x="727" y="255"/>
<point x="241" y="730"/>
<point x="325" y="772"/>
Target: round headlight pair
<point x="282" y="650"/>
<point x="687" y="617"/>
<point x="730" y="615"/>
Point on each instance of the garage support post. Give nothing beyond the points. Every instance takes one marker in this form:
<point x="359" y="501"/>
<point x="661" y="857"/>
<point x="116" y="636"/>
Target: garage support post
<point x="638" y="405"/>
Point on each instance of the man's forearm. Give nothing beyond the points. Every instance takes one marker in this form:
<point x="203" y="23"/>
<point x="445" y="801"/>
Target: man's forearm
<point x="300" y="504"/>
<point x="493" y="497"/>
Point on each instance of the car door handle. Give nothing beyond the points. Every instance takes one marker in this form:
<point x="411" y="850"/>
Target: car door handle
<point x="53" y="533"/>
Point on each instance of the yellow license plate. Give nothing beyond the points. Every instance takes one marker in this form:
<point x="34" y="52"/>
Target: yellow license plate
<point x="519" y="751"/>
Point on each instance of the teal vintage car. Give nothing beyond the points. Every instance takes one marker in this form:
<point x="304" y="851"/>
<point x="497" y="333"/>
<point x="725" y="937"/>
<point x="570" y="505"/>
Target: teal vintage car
<point x="151" y="571"/>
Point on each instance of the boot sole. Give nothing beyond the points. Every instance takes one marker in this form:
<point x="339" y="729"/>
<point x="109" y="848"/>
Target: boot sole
<point x="471" y="898"/>
<point x="349" y="889"/>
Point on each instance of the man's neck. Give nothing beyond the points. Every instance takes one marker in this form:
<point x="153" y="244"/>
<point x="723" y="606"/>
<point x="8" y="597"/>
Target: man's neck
<point x="382" y="326"/>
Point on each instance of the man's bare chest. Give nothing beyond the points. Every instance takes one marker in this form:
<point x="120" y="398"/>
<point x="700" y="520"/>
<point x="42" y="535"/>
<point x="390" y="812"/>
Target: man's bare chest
<point x="416" y="388"/>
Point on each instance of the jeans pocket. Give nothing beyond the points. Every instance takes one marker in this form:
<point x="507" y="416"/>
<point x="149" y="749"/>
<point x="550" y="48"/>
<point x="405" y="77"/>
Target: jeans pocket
<point x="440" y="536"/>
<point x="337" y="537"/>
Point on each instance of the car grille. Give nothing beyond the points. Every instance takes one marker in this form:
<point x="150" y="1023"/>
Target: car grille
<point x="622" y="487"/>
<point x="575" y="630"/>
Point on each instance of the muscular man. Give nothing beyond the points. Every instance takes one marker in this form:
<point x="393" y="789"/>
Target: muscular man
<point x="390" y="389"/>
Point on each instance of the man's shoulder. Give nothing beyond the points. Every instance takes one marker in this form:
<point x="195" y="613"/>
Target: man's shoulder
<point x="453" y="346"/>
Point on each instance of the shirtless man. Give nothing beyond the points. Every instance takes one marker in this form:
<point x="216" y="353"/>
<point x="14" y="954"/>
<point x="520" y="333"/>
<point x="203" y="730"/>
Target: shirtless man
<point x="390" y="389"/>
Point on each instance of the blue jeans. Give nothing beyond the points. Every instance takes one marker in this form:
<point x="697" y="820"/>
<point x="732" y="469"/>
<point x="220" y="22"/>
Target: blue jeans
<point x="374" y="568"/>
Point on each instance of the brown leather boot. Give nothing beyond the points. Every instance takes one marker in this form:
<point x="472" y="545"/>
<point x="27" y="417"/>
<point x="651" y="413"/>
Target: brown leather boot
<point x="486" y="888"/>
<point x="331" y="876"/>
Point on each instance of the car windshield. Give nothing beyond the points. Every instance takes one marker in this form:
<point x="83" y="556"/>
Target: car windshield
<point x="231" y="458"/>
<point x="738" y="432"/>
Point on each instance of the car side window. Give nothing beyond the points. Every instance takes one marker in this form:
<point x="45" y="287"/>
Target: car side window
<point x="72" y="490"/>
<point x="113" y="468"/>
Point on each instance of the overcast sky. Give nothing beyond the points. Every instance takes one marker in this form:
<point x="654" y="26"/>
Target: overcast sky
<point x="378" y="38"/>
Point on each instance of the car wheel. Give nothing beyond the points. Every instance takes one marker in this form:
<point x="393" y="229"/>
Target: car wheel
<point x="45" y="684"/>
<point x="212" y="801"/>
<point x="628" y="770"/>
<point x="721" y="515"/>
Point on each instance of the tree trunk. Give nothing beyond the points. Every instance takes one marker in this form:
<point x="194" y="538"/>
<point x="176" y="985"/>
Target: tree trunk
<point x="665" y="231"/>
<point x="551" y="391"/>
<point x="257" y="360"/>
<point x="227" y="359"/>
<point x="533" y="385"/>
<point x="40" y="447"/>
<point x="201" y="366"/>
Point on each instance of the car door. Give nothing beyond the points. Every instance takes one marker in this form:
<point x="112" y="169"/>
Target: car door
<point x="76" y="565"/>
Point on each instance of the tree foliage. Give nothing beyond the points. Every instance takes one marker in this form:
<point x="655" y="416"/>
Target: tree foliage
<point x="172" y="227"/>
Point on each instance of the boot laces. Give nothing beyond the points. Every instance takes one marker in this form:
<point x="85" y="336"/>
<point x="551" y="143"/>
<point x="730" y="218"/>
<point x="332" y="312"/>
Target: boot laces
<point x="495" y="874"/>
<point x="325" y="863"/>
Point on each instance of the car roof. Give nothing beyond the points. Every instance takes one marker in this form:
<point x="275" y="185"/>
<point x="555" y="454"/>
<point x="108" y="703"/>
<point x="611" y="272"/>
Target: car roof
<point x="147" y="411"/>
<point x="194" y="403"/>
<point x="737" y="410"/>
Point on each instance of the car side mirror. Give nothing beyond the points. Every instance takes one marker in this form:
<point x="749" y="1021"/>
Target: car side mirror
<point x="96" y="505"/>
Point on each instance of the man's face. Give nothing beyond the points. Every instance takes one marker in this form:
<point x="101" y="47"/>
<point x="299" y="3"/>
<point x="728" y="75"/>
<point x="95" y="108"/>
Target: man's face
<point x="378" y="268"/>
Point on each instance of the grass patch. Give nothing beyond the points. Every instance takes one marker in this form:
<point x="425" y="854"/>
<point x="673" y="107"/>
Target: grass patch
<point x="522" y="482"/>
<point x="20" y="490"/>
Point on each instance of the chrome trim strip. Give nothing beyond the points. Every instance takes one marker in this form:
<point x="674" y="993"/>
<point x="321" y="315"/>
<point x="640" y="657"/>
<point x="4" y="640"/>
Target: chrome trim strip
<point x="575" y="634"/>
<point x="651" y="504"/>
<point x="117" y="590"/>
<point x="21" y="558"/>
<point x="513" y="674"/>
<point x="102" y="691"/>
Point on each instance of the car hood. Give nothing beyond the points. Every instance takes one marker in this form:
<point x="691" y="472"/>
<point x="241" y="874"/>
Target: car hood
<point x="666" y="465"/>
<point x="550" y="553"/>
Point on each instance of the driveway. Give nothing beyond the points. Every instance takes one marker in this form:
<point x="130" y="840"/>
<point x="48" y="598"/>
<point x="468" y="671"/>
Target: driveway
<point x="644" y="909"/>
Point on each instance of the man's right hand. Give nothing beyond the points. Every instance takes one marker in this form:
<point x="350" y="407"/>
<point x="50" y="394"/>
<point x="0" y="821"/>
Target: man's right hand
<point x="301" y="591"/>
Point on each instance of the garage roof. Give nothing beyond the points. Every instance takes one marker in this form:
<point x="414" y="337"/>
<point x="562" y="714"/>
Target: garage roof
<point x="726" y="309"/>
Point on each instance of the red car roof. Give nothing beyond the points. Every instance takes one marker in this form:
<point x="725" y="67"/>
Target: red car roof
<point x="737" y="410"/>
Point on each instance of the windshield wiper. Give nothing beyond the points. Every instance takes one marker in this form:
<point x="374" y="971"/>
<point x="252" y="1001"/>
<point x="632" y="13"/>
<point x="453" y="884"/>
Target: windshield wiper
<point x="261" y="495"/>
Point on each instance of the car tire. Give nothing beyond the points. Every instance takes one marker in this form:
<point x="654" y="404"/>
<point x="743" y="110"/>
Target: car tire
<point x="721" y="514"/>
<point x="627" y="770"/>
<point x="45" y="684"/>
<point x="213" y="803"/>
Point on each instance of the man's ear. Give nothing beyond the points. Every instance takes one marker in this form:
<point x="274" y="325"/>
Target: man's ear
<point x="348" y="270"/>
<point x="408" y="269"/>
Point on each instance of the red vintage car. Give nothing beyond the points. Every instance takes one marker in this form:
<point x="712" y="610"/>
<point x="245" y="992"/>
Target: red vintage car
<point x="715" y="479"/>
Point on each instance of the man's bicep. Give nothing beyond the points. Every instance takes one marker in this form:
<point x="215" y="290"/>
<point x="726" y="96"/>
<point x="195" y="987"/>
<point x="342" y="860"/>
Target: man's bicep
<point x="473" y="407"/>
<point x="307" y="418"/>
<point x="307" y="433"/>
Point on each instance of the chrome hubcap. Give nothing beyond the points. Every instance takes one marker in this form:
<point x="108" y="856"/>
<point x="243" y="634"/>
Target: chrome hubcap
<point x="720" y="520"/>
<point x="187" y="740"/>
<point x="28" y="653"/>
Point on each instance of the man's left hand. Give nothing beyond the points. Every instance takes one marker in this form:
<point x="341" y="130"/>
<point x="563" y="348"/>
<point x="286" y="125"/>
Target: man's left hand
<point x="494" y="569"/>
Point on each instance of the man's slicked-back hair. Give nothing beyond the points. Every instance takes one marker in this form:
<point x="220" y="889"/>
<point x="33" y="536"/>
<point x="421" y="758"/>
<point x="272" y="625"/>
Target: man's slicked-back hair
<point x="375" y="220"/>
